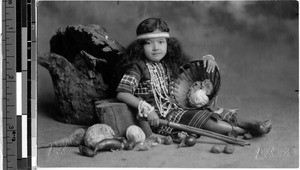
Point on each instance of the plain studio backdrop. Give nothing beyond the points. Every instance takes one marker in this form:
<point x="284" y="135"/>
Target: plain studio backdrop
<point x="255" y="44"/>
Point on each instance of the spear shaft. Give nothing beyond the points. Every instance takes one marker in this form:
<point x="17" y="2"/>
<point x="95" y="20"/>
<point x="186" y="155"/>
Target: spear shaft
<point x="207" y="133"/>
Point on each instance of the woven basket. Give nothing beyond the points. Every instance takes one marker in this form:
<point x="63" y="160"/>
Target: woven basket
<point x="189" y="74"/>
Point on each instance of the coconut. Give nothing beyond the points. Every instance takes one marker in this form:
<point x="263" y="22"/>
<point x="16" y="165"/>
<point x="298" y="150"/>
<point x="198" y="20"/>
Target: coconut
<point x="135" y="134"/>
<point x="198" y="98"/>
<point x="97" y="133"/>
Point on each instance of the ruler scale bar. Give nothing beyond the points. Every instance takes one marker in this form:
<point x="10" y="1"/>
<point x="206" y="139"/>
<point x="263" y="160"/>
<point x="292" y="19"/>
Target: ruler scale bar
<point x="19" y="83"/>
<point x="15" y="72"/>
<point x="10" y="125"/>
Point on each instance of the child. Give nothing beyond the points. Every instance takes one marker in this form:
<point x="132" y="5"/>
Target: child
<point x="151" y="62"/>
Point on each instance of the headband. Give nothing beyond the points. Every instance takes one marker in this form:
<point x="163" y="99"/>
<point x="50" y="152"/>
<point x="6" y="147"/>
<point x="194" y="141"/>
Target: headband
<point x="153" y="35"/>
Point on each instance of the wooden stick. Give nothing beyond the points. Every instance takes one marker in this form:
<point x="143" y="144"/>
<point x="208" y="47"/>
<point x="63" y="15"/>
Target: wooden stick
<point x="198" y="131"/>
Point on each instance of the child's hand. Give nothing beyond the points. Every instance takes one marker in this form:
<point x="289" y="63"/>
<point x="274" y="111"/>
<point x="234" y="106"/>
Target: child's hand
<point x="153" y="119"/>
<point x="210" y="63"/>
<point x="144" y="109"/>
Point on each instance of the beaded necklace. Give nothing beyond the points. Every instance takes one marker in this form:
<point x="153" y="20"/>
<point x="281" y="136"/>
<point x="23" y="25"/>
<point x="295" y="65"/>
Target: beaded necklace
<point x="159" y="84"/>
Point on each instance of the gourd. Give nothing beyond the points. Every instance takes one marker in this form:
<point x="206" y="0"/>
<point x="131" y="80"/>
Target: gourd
<point x="97" y="133"/>
<point x="135" y="134"/>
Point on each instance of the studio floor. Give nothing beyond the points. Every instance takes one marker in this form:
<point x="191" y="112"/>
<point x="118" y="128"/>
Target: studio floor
<point x="278" y="149"/>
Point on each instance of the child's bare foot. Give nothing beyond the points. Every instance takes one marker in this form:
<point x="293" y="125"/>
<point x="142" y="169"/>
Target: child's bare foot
<point x="261" y="128"/>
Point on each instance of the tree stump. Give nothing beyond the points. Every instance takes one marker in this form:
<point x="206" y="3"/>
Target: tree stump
<point x="80" y="64"/>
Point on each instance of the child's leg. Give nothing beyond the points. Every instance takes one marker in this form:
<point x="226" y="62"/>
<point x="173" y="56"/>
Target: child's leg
<point x="222" y="127"/>
<point x="256" y="128"/>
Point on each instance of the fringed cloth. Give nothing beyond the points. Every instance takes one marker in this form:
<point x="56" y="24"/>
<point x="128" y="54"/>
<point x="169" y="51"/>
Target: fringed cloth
<point x="197" y="118"/>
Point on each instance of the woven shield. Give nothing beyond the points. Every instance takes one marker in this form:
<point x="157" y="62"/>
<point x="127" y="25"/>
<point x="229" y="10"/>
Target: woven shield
<point x="189" y="74"/>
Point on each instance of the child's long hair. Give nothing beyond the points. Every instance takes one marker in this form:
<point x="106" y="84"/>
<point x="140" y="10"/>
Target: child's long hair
<point x="135" y="52"/>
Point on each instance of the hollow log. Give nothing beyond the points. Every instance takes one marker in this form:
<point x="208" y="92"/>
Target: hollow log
<point x="75" y="90"/>
<point x="80" y="63"/>
<point x="93" y="39"/>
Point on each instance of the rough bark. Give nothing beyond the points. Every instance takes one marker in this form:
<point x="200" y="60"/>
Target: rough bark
<point x="93" y="39"/>
<point x="80" y="63"/>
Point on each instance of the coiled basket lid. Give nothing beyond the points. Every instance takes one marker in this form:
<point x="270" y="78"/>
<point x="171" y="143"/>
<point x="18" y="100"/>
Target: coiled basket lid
<point x="189" y="74"/>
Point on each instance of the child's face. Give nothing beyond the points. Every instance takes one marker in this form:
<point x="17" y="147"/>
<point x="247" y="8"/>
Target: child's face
<point x="155" y="48"/>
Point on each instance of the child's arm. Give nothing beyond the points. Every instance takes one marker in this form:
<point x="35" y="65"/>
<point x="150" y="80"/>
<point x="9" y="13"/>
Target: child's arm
<point x="133" y="101"/>
<point x="129" y="99"/>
